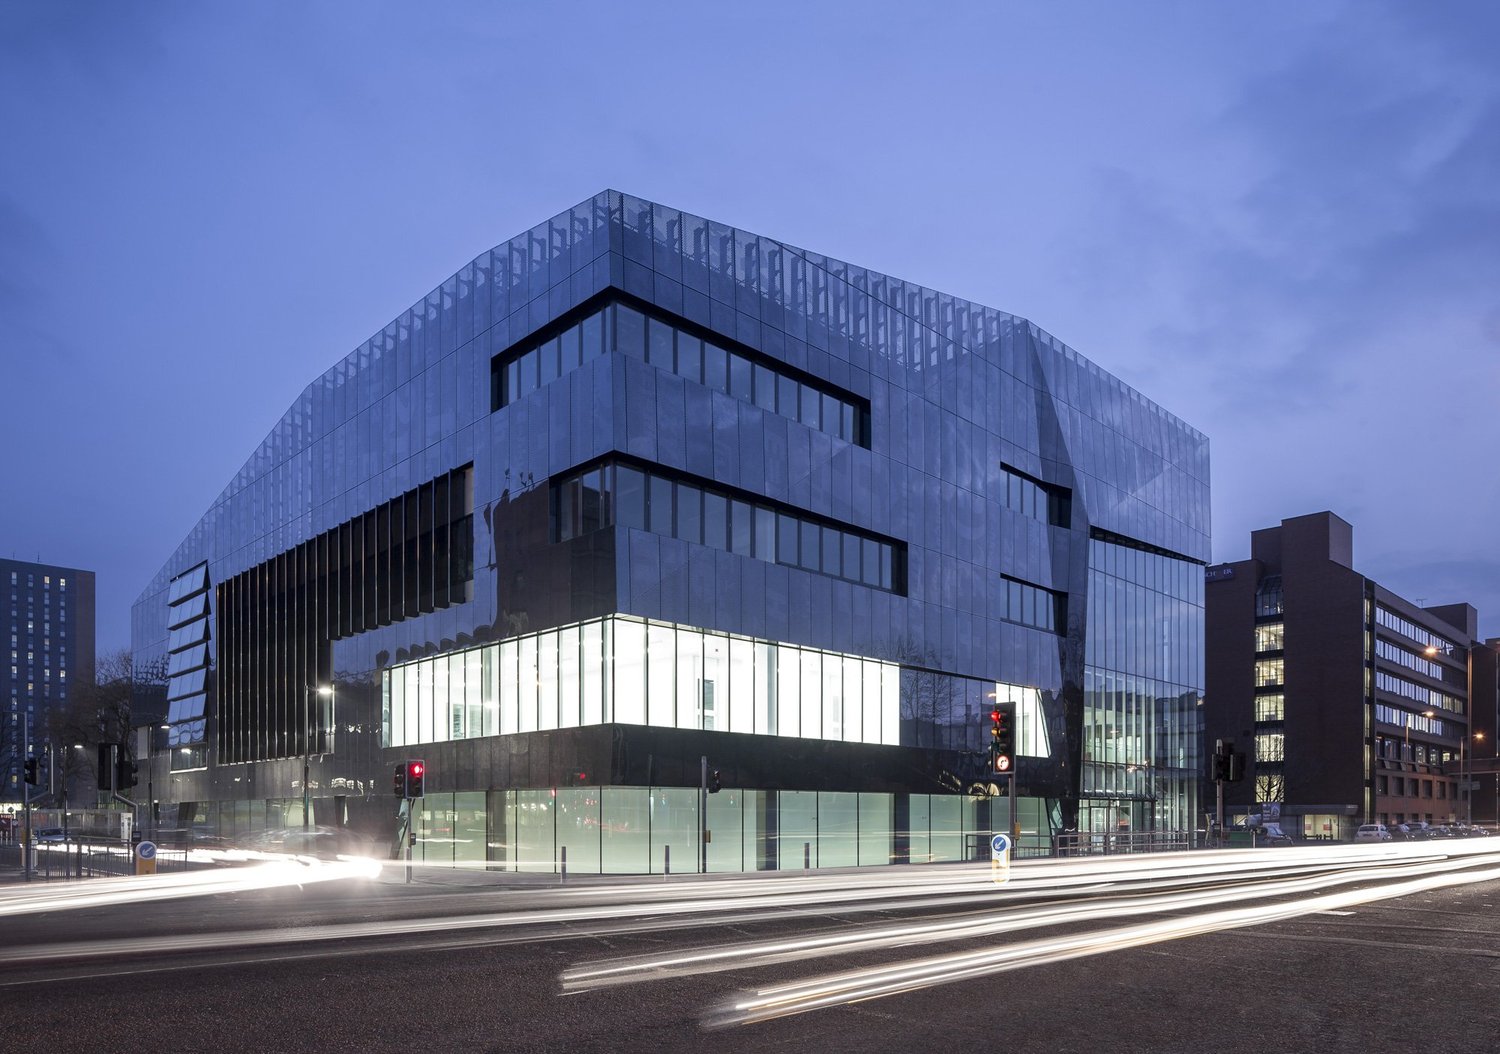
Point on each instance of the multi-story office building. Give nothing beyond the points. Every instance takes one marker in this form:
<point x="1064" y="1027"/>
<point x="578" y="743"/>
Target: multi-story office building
<point x="1350" y="703"/>
<point x="636" y="489"/>
<point x="47" y="627"/>
<point x="1484" y="697"/>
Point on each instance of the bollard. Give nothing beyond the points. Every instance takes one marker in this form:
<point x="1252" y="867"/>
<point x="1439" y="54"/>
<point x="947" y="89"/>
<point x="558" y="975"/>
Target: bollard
<point x="563" y="869"/>
<point x="806" y="856"/>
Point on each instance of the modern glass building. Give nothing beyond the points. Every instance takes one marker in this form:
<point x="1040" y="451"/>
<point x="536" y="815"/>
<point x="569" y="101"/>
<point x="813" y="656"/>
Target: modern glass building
<point x="637" y="489"/>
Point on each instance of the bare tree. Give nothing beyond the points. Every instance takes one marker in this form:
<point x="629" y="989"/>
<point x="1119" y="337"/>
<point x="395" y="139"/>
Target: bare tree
<point x="94" y="714"/>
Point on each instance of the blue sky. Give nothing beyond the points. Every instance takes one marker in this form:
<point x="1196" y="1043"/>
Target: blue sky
<point x="1281" y="221"/>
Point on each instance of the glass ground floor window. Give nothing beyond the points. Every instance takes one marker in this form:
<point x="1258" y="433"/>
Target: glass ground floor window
<point x="627" y="670"/>
<point x="656" y="830"/>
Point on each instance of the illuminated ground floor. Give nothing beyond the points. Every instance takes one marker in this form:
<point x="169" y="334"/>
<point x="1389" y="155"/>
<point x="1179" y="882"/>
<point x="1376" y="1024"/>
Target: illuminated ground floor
<point x="653" y="830"/>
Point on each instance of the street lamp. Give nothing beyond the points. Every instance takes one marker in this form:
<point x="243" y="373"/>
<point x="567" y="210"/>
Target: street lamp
<point x="151" y="738"/>
<point x="312" y="690"/>
<point x="1463" y="776"/>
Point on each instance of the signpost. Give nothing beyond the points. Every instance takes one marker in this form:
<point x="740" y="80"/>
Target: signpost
<point x="1000" y="846"/>
<point x="145" y="858"/>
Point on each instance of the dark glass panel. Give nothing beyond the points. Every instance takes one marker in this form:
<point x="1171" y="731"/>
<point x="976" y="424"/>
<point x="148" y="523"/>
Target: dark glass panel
<point x="659" y="509"/>
<point x="810" y="403"/>
<point x="547" y="362"/>
<point x="690" y="357"/>
<point x="812" y="544"/>
<point x="689" y="513"/>
<point x="715" y="520"/>
<point x="786" y="397"/>
<point x="591" y="512"/>
<point x="715" y="367"/>
<point x="765" y="389"/>
<point x="659" y="344"/>
<point x="630" y="497"/>
<point x="833" y="557"/>
<point x="740" y="528"/>
<point x="592" y="336"/>
<point x="630" y="332"/>
<point x="740" y="375"/>
<point x="786" y="539"/>
<point x="765" y="534"/>
<point x="570" y="349"/>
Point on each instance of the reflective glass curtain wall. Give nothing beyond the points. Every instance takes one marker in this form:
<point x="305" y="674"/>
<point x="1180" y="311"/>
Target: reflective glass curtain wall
<point x="1143" y="680"/>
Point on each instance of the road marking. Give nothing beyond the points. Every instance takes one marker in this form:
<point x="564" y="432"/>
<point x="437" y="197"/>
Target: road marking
<point x="1333" y="913"/>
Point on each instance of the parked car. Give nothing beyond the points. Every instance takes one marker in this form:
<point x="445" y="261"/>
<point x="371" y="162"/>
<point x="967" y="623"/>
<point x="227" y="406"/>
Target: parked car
<point x="51" y="834"/>
<point x="1420" y="829"/>
<point x="1443" y="830"/>
<point x="1399" y="832"/>
<point x="1372" y="832"/>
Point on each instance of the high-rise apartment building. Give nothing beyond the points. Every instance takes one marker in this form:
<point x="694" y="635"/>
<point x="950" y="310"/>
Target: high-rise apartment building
<point x="1351" y="704"/>
<point x="47" y="638"/>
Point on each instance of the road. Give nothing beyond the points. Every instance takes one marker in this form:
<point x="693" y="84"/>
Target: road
<point x="1255" y="950"/>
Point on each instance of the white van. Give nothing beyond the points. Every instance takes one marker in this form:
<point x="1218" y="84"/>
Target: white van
<point x="1372" y="832"/>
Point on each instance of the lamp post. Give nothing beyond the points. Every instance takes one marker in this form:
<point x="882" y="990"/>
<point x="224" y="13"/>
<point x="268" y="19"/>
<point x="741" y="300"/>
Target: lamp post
<point x="312" y="690"/>
<point x="151" y="735"/>
<point x="1464" y="776"/>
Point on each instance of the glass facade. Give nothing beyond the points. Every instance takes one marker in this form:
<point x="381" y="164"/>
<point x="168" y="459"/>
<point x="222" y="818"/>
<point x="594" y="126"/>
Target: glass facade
<point x="669" y="344"/>
<point x="1144" y="678"/>
<point x="822" y="482"/>
<point x="610" y="495"/>
<point x="637" y="672"/>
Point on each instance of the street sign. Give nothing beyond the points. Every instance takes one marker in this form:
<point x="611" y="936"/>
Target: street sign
<point x="1000" y="846"/>
<point x="145" y="858"/>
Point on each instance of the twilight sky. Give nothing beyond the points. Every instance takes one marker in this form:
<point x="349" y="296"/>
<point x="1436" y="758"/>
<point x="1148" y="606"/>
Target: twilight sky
<point x="1280" y="221"/>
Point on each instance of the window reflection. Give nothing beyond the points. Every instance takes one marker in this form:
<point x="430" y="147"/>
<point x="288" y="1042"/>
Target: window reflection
<point x="663" y="343"/>
<point x="677" y="508"/>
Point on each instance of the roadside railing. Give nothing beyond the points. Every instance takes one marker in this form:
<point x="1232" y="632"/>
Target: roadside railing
<point x="83" y="859"/>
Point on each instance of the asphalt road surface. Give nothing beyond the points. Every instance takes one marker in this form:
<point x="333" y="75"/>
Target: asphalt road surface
<point x="457" y="963"/>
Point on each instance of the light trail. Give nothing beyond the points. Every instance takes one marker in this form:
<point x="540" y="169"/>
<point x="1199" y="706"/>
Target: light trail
<point x="1070" y="891"/>
<point x="135" y="889"/>
<point x="771" y="952"/>
<point x="635" y="969"/>
<point x="913" y="975"/>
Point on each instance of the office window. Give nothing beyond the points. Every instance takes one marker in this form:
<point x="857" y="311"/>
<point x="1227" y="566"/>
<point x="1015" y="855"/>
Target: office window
<point x="615" y="494"/>
<point x="1270" y="636"/>
<point x="668" y="344"/>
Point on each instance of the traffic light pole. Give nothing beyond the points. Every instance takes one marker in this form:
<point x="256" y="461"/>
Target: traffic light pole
<point x="703" y="814"/>
<point x="1015" y="823"/>
<point x="1219" y="785"/>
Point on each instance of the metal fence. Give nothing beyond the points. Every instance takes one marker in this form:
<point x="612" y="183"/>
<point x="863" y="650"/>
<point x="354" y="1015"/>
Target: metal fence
<point x="83" y="859"/>
<point x="1085" y="843"/>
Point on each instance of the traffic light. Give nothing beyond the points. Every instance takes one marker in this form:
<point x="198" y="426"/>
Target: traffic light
<point x="1220" y="769"/>
<point x="1235" y="770"/>
<point x="126" y="770"/>
<point x="398" y="784"/>
<point x="33" y="777"/>
<point x="1228" y="763"/>
<point x="1002" y="737"/>
<point x="416" y="773"/>
<point x="714" y="783"/>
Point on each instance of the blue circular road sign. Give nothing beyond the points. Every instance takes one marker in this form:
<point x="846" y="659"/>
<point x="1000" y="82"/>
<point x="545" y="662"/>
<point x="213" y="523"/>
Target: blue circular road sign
<point x="146" y="850"/>
<point x="1000" y="844"/>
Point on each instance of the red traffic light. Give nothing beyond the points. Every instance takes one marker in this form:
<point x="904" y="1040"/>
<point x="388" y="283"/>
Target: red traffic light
<point x="416" y="768"/>
<point x="995" y="715"/>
